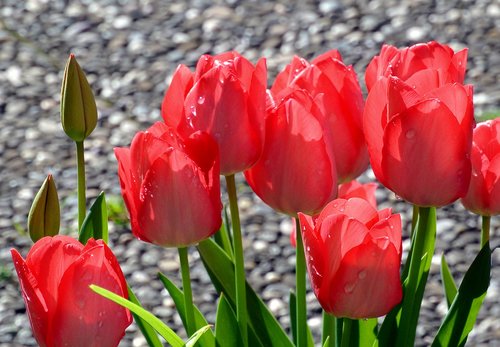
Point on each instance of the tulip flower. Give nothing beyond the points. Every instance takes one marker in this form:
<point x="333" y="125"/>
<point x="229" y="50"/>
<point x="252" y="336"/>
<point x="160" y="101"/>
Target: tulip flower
<point x="296" y="171"/>
<point x="343" y="106"/>
<point x="78" y="108"/>
<point x="171" y="186"/>
<point x="353" y="255"/>
<point x="62" y="309"/>
<point x="44" y="217"/>
<point x="483" y="196"/>
<point x="419" y="135"/>
<point x="225" y="98"/>
<point x="418" y="63"/>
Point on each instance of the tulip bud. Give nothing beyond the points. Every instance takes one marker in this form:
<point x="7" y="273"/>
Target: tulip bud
<point x="78" y="108"/>
<point x="44" y="217"/>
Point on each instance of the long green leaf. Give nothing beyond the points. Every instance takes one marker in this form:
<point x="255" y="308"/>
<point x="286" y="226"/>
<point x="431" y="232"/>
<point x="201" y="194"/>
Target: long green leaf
<point x="293" y="321"/>
<point x="463" y="311"/>
<point x="207" y="340"/>
<point x="168" y="334"/>
<point x="449" y="286"/>
<point x="197" y="336"/>
<point x="147" y="331"/>
<point x="422" y="250"/>
<point x="96" y="223"/>
<point x="227" y="332"/>
<point x="221" y="270"/>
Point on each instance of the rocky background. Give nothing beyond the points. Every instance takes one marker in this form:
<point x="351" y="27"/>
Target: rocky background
<point x="129" y="49"/>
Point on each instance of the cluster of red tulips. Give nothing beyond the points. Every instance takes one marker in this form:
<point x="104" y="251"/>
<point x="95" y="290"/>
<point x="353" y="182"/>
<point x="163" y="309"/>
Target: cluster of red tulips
<point x="300" y="145"/>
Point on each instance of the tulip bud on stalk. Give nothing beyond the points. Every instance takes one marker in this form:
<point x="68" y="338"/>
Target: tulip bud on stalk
<point x="44" y="216"/>
<point x="78" y="119"/>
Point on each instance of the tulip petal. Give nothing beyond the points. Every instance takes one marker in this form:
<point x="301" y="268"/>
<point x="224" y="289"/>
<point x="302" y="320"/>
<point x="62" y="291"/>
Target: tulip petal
<point x="48" y="259"/>
<point x="313" y="250"/>
<point x="36" y="307"/>
<point x="389" y="227"/>
<point x="422" y="163"/>
<point x="188" y="216"/>
<point x="83" y="318"/>
<point x="366" y="270"/>
<point x="172" y="108"/>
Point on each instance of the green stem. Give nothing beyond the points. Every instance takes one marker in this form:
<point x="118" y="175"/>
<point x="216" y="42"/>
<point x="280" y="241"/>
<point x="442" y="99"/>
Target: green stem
<point x="329" y="329"/>
<point x="420" y="262"/>
<point x="188" y="294"/>
<point x="300" y="284"/>
<point x="241" y="300"/>
<point x="485" y="230"/>
<point x="80" y="166"/>
<point x="346" y="332"/>
<point x="414" y="220"/>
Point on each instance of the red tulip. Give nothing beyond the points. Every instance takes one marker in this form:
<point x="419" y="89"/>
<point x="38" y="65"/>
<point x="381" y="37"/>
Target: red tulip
<point x="296" y="171"/>
<point x="417" y="63"/>
<point x="343" y="106"/>
<point x="353" y="256"/>
<point x="225" y="98"/>
<point x="62" y="309"/>
<point x="419" y="134"/>
<point x="171" y="187"/>
<point x="483" y="196"/>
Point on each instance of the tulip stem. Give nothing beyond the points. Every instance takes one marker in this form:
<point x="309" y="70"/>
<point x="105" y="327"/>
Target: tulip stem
<point x="422" y="250"/>
<point x="329" y="329"/>
<point x="80" y="166"/>
<point x="346" y="332"/>
<point x="239" y="261"/>
<point x="300" y="284"/>
<point x="188" y="294"/>
<point x="485" y="230"/>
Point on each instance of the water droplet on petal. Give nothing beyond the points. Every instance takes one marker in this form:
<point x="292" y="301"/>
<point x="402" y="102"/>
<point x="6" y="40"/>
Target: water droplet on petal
<point x="201" y="100"/>
<point x="362" y="274"/>
<point x="349" y="288"/>
<point x="410" y="134"/>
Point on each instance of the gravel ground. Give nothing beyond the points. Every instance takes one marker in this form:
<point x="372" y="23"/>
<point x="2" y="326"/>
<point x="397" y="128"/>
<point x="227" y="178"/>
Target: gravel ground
<point x="129" y="50"/>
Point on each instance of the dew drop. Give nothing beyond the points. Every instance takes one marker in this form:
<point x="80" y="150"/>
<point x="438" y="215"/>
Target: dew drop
<point x="410" y="134"/>
<point x="201" y="100"/>
<point x="362" y="274"/>
<point x="349" y="288"/>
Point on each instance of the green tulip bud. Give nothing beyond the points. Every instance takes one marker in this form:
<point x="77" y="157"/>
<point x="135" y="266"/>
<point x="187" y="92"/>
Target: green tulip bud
<point x="45" y="217"/>
<point x="78" y="108"/>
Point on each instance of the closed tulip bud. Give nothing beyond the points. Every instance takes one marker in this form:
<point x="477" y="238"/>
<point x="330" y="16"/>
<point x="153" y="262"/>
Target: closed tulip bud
<point x="78" y="108"/>
<point x="44" y="217"/>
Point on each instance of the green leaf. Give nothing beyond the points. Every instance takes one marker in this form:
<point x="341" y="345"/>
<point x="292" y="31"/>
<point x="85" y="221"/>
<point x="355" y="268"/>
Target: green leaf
<point x="449" y="286"/>
<point x="292" y="308"/>
<point x="147" y="331"/>
<point x="421" y="252"/>
<point x="197" y="335"/>
<point x="227" y="331"/>
<point x="208" y="340"/>
<point x="223" y="238"/>
<point x="221" y="270"/>
<point x="327" y="342"/>
<point x="168" y="334"/>
<point x="368" y="329"/>
<point x="96" y="223"/>
<point x="463" y="311"/>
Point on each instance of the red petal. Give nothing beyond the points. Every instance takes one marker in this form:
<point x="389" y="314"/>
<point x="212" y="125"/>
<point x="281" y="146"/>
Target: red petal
<point x="36" y="307"/>
<point x="366" y="269"/>
<point x="425" y="155"/>
<point x="172" y="108"/>
<point x="327" y="56"/>
<point x="379" y="64"/>
<point x="177" y="209"/>
<point x="84" y="317"/>
<point x="48" y="260"/>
